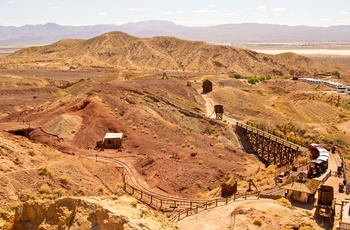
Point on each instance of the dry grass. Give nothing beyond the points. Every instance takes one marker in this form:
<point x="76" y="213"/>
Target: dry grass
<point x="284" y="201"/>
<point x="27" y="194"/>
<point x="45" y="189"/>
<point x="45" y="171"/>
<point x="64" y="179"/>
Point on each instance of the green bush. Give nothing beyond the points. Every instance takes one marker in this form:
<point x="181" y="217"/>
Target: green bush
<point x="336" y="73"/>
<point x="237" y="76"/>
<point x="287" y="77"/>
<point x="253" y="80"/>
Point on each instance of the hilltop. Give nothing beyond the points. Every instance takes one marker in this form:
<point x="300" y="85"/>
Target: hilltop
<point x="119" y="51"/>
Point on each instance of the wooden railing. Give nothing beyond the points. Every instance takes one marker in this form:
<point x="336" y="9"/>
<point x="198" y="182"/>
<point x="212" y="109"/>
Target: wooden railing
<point x="183" y="207"/>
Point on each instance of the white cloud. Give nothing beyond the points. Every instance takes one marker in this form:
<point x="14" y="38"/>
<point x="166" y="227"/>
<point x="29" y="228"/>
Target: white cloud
<point x="343" y="12"/>
<point x="201" y="11"/>
<point x="102" y="13"/>
<point x="279" y="9"/>
<point x="10" y="2"/>
<point x="261" y="8"/>
<point x="55" y="7"/>
<point x="136" y="9"/>
<point x="173" y="12"/>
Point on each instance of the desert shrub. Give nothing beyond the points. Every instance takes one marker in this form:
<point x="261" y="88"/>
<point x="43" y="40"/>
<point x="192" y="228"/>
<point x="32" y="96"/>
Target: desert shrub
<point x="45" y="171"/>
<point x="45" y="189"/>
<point x="220" y="145"/>
<point x="253" y="80"/>
<point x="237" y="76"/>
<point x="27" y="194"/>
<point x="284" y="201"/>
<point x="303" y="160"/>
<point x="268" y="77"/>
<point x="346" y="106"/>
<point x="58" y="193"/>
<point x="221" y="155"/>
<point x="200" y="162"/>
<point x="31" y="152"/>
<point x="81" y="191"/>
<point x="101" y="189"/>
<point x="290" y="128"/>
<point x="258" y="221"/>
<point x="340" y="139"/>
<point x="64" y="179"/>
<point x="336" y="73"/>
<point x="287" y="77"/>
<point x="271" y="169"/>
<point x="202" y="196"/>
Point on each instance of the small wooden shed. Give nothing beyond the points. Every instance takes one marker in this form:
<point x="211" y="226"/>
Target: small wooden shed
<point x="112" y="140"/>
<point x="207" y="86"/>
<point x="229" y="187"/>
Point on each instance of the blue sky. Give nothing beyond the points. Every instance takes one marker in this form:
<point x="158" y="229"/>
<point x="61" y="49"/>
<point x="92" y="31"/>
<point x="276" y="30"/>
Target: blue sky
<point x="183" y="12"/>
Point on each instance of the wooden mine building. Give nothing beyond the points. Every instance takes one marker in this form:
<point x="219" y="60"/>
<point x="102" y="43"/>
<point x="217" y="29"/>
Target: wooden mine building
<point x="112" y="140"/>
<point x="207" y="86"/>
<point x="219" y="110"/>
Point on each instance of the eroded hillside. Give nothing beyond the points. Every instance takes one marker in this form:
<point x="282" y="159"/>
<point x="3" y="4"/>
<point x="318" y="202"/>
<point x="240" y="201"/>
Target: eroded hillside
<point x="117" y="50"/>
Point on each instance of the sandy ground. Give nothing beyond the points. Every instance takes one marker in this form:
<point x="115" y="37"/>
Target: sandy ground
<point x="250" y="214"/>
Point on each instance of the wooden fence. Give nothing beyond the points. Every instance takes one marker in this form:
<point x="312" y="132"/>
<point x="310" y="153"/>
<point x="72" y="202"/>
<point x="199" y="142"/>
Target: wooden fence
<point x="183" y="207"/>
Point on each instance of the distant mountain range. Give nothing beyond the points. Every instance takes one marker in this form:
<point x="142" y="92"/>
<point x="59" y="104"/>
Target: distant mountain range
<point x="234" y="34"/>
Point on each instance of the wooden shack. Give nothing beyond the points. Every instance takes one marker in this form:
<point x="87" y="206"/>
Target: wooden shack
<point x="112" y="140"/>
<point x="207" y="86"/>
<point x="300" y="188"/>
<point x="229" y="187"/>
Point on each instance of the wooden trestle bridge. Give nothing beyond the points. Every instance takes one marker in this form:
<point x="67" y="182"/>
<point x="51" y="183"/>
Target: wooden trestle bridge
<point x="269" y="148"/>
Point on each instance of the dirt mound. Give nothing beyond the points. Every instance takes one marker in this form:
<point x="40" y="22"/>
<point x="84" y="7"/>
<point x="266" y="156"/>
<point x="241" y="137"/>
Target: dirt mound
<point x="122" y="51"/>
<point x="85" y="213"/>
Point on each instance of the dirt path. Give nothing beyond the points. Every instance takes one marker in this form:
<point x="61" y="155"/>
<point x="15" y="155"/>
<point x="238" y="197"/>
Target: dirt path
<point x="209" y="105"/>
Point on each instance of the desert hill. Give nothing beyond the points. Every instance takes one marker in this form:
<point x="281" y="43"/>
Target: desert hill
<point x="117" y="50"/>
<point x="172" y="142"/>
<point x="163" y="121"/>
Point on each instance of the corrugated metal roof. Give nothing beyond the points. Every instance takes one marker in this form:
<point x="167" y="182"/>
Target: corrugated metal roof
<point x="113" y="135"/>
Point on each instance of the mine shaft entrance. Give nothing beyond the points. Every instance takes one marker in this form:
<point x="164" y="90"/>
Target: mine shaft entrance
<point x="21" y="132"/>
